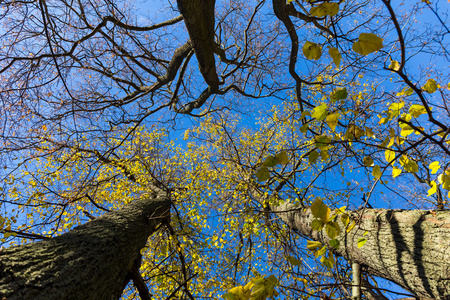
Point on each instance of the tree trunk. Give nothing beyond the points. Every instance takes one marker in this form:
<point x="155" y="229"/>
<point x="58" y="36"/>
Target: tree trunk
<point x="199" y="19"/>
<point x="93" y="261"/>
<point x="410" y="248"/>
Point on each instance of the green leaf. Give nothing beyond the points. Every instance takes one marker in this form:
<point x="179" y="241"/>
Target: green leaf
<point x="327" y="262"/>
<point x="293" y="261"/>
<point x="263" y="174"/>
<point x="430" y="86"/>
<point x="304" y="128"/>
<point x="312" y="50"/>
<point x="335" y="55"/>
<point x="340" y="94"/>
<point x="376" y="172"/>
<point x="345" y="218"/>
<point x="416" y="110"/>
<point x="320" y="112"/>
<point x="270" y="162"/>
<point x="317" y="224"/>
<point x="282" y="158"/>
<point x="335" y="243"/>
<point x="313" y="245"/>
<point x="313" y="156"/>
<point x="394" y="65"/>
<point x="368" y="161"/>
<point x="367" y="43"/>
<point x="332" y="120"/>
<point x="325" y="9"/>
<point x="332" y="229"/>
<point x="320" y="210"/>
<point x="322" y="141"/>
<point x="434" y="166"/>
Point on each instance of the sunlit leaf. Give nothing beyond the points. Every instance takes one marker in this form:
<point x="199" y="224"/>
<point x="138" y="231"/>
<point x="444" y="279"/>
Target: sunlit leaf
<point x="394" y="65"/>
<point x="406" y="91"/>
<point x="434" y="166"/>
<point x="389" y="155"/>
<point x="320" y="112"/>
<point x="430" y="86"/>
<point x="313" y="245"/>
<point x="433" y="188"/>
<point x="416" y="110"/>
<point x="396" y="171"/>
<point x="361" y="242"/>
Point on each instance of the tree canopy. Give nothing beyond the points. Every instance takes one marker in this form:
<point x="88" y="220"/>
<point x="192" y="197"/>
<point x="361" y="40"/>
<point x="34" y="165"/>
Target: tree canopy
<point x="235" y="149"/>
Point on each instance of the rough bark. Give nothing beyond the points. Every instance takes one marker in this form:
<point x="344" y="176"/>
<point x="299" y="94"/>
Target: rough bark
<point x="199" y="19"/>
<point x="410" y="248"/>
<point x="93" y="261"/>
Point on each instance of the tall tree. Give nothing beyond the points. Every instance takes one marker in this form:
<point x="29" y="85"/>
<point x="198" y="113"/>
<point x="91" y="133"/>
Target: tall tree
<point x="94" y="99"/>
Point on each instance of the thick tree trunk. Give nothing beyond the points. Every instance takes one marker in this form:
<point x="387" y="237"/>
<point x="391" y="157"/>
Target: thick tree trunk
<point x="93" y="261"/>
<point x="410" y="248"/>
<point x="199" y="19"/>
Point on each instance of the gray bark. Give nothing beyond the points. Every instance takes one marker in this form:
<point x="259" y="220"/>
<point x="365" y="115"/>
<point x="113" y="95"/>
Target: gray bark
<point x="93" y="261"/>
<point x="410" y="248"/>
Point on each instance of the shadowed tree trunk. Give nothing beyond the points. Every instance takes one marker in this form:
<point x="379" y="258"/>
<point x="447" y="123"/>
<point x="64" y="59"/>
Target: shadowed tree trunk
<point x="93" y="261"/>
<point x="199" y="19"/>
<point x="410" y="248"/>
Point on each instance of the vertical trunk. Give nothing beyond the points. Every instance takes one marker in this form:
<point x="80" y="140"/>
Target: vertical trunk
<point x="356" y="281"/>
<point x="410" y="248"/>
<point x="90" y="262"/>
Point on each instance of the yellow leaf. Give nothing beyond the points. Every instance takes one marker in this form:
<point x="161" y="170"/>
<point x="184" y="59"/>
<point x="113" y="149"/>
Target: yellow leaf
<point x="430" y="86"/>
<point x="416" y="110"/>
<point x="389" y="155"/>
<point x="367" y="43"/>
<point x="394" y="65"/>
<point x="406" y="91"/>
<point x="320" y="112"/>
<point x="434" y="166"/>
<point x="433" y="188"/>
<point x="313" y="245"/>
<point x="312" y="50"/>
<point x="396" y="171"/>
<point x="332" y="120"/>
<point x="335" y="55"/>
